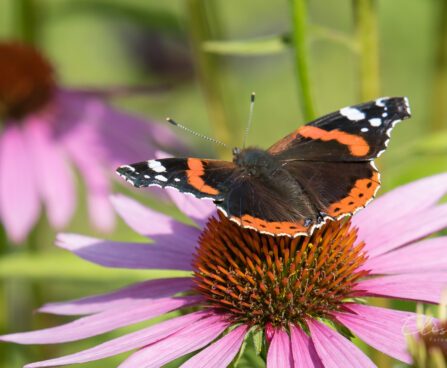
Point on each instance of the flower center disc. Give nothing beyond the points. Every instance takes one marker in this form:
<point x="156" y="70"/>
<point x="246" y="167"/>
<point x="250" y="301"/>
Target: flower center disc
<point x="26" y="80"/>
<point x="260" y="279"/>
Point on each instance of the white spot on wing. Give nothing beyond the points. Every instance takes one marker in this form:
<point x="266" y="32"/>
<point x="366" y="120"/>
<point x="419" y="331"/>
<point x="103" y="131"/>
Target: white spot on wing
<point x="131" y="168"/>
<point x="177" y="180"/>
<point x="146" y="176"/>
<point x="364" y="130"/>
<point x="161" y="178"/>
<point x="407" y="105"/>
<point x="352" y="113"/>
<point x="375" y="122"/>
<point x="156" y="166"/>
<point x="379" y="102"/>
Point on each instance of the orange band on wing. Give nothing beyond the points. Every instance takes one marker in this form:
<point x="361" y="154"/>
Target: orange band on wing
<point x="195" y="174"/>
<point x="360" y="194"/>
<point x="356" y="144"/>
<point x="275" y="228"/>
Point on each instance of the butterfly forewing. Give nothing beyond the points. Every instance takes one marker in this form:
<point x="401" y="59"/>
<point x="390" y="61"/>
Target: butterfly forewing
<point x="356" y="133"/>
<point x="201" y="178"/>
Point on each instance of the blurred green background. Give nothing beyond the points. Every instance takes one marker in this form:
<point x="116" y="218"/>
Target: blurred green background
<point x="110" y="43"/>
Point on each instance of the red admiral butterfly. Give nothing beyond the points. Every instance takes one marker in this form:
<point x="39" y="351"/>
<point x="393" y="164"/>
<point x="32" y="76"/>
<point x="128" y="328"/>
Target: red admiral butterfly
<point x="323" y="170"/>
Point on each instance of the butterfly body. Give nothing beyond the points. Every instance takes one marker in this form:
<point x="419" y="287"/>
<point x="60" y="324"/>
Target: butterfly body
<point x="256" y="163"/>
<point x="323" y="170"/>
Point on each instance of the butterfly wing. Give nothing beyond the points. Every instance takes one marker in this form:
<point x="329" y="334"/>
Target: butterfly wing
<point x="357" y="133"/>
<point x="335" y="188"/>
<point x="201" y="178"/>
<point x="275" y="205"/>
<point x="331" y="157"/>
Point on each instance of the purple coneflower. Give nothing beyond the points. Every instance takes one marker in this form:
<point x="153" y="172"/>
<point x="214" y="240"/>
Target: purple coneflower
<point x="45" y="130"/>
<point x="294" y="291"/>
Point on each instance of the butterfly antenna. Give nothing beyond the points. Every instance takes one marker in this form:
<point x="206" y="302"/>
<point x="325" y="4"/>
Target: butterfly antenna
<point x="198" y="134"/>
<point x="252" y="103"/>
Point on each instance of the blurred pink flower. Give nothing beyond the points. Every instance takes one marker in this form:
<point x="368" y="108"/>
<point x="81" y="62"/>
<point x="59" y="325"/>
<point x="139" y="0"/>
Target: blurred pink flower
<point x="45" y="131"/>
<point x="245" y="282"/>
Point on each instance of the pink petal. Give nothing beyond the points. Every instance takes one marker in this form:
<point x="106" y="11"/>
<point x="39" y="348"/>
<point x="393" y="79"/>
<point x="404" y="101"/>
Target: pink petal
<point x="99" y="207"/>
<point x="381" y="328"/>
<point x="126" y="138"/>
<point x="130" y="139"/>
<point x="405" y="230"/>
<point x="303" y="350"/>
<point x="423" y="287"/>
<point x="161" y="228"/>
<point x="334" y="350"/>
<point x="221" y="353"/>
<point x="431" y="256"/>
<point x="401" y="202"/>
<point x="102" y="322"/>
<point x="128" y="342"/>
<point x="53" y="175"/>
<point x="279" y="354"/>
<point x="151" y="289"/>
<point x="125" y="255"/>
<point x="87" y="152"/>
<point x="199" y="210"/>
<point x="19" y="201"/>
<point x="382" y="218"/>
<point x="191" y="338"/>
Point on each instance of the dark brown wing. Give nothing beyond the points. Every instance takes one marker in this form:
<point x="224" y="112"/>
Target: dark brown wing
<point x="357" y="133"/>
<point x="275" y="205"/>
<point x="336" y="188"/>
<point x="201" y="178"/>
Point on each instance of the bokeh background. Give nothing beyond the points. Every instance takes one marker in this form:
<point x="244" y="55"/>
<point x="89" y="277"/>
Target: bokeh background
<point x="153" y="51"/>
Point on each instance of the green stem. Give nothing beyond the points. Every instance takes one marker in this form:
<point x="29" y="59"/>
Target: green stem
<point x="439" y="94"/>
<point x="365" y="17"/>
<point x="204" y="26"/>
<point x="25" y="16"/>
<point x="301" y="46"/>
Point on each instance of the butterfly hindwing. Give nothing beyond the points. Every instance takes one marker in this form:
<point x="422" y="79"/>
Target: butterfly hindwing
<point x="283" y="210"/>
<point x="357" y="133"/>
<point x="201" y="178"/>
<point x="336" y="188"/>
<point x="301" y="196"/>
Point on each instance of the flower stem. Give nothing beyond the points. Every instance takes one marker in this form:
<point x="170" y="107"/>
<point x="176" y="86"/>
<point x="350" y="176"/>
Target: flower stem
<point x="438" y="120"/>
<point x="25" y="20"/>
<point x="301" y="46"/>
<point x="204" y="26"/>
<point x="365" y="17"/>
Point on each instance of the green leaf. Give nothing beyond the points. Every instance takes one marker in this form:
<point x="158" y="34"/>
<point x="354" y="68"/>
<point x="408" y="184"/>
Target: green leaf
<point x="276" y="44"/>
<point x="343" y="330"/>
<point x="250" y="356"/>
<point x="62" y="265"/>
<point x="237" y="358"/>
<point x="258" y="340"/>
<point x="259" y="46"/>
